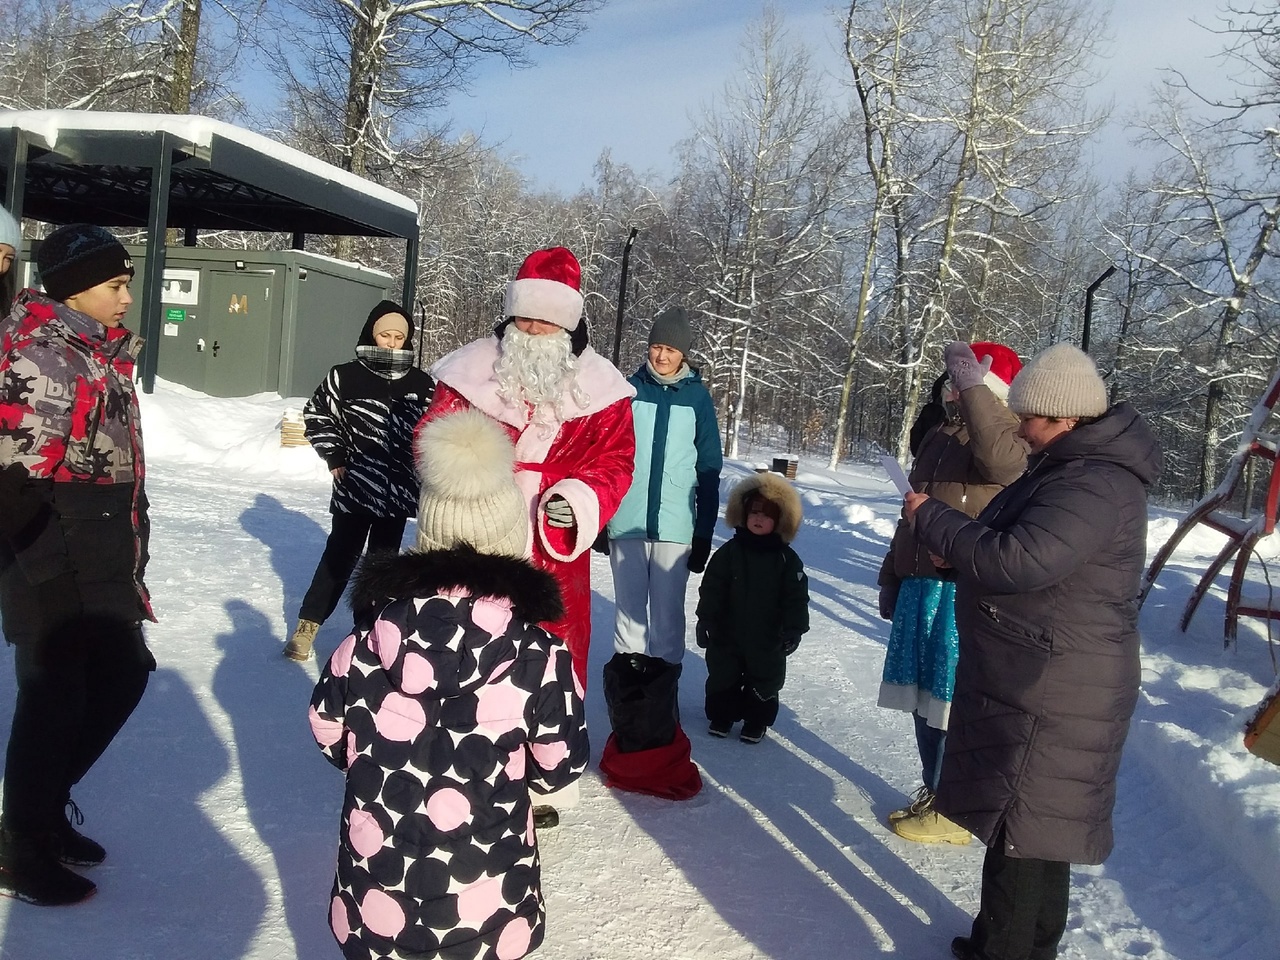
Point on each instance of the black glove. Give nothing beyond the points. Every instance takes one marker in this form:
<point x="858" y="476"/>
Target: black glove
<point x="601" y="543"/>
<point x="888" y="599"/>
<point x="58" y="604"/>
<point x="963" y="367"/>
<point x="702" y="635"/>
<point x="558" y="512"/>
<point x="789" y="643"/>
<point x="19" y="504"/>
<point x="698" y="554"/>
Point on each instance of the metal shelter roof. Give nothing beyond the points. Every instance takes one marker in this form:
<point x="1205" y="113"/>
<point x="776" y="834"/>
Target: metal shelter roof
<point x="188" y="172"/>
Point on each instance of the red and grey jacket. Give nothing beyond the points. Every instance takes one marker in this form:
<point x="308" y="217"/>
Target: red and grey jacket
<point x="69" y="416"/>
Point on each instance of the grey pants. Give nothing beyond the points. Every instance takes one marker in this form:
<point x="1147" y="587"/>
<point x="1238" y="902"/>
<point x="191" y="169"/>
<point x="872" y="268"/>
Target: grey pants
<point x="649" y="582"/>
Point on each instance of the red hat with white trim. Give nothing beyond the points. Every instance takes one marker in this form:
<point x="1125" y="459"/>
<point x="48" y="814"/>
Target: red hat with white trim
<point x="547" y="287"/>
<point x="1000" y="365"/>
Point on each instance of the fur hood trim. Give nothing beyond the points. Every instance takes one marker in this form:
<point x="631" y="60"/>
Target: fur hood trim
<point x="534" y="593"/>
<point x="773" y="488"/>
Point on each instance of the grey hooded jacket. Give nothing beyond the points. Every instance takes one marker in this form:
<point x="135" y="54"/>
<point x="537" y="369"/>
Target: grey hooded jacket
<point x="1048" y="577"/>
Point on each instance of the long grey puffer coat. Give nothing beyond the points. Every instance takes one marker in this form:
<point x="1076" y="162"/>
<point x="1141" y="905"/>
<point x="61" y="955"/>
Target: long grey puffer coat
<point x="1049" y="670"/>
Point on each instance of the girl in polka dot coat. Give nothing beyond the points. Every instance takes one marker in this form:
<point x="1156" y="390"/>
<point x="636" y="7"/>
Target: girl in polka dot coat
<point x="445" y="707"/>
<point x="444" y="711"/>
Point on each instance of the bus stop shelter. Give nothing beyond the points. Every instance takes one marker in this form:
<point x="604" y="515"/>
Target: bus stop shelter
<point x="189" y="173"/>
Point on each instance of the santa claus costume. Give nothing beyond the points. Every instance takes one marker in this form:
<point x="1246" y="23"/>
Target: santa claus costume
<point x="575" y="444"/>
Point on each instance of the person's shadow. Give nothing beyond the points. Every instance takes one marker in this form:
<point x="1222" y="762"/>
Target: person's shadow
<point x="292" y="797"/>
<point x="295" y="542"/>
<point x="172" y="878"/>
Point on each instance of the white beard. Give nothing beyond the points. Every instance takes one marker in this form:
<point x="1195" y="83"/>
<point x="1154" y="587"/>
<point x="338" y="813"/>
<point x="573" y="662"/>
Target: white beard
<point x="540" y="370"/>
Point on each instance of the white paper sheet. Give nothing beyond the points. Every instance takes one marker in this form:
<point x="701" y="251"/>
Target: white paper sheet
<point x="894" y="469"/>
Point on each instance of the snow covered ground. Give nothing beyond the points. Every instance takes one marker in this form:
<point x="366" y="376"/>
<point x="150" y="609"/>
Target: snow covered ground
<point x="220" y="815"/>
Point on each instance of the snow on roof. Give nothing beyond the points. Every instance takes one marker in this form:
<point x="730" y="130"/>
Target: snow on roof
<point x="198" y="131"/>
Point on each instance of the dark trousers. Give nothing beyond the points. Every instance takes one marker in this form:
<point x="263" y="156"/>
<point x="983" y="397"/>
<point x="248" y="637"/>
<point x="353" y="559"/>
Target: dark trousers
<point x="341" y="554"/>
<point x="74" y="695"/>
<point x="930" y="742"/>
<point x="1022" y="913"/>
<point x="743" y="684"/>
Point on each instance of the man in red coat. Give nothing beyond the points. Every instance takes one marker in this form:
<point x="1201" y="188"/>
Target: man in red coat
<point x="568" y="411"/>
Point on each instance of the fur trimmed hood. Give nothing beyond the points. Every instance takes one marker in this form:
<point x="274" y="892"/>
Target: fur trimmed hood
<point x="773" y="488"/>
<point x="534" y="593"/>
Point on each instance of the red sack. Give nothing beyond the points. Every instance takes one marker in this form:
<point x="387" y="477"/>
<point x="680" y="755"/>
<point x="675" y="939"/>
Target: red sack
<point x="668" y="772"/>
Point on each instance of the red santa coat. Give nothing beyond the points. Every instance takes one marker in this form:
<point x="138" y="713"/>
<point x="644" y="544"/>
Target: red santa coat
<point x="588" y="461"/>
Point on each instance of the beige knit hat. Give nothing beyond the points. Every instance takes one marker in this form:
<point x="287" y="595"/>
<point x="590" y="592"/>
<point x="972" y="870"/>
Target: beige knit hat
<point x="469" y="494"/>
<point x="1061" y="381"/>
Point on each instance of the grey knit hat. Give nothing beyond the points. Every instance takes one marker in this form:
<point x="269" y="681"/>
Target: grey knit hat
<point x="671" y="328"/>
<point x="10" y="232"/>
<point x="1061" y="381"/>
<point x="469" y="494"/>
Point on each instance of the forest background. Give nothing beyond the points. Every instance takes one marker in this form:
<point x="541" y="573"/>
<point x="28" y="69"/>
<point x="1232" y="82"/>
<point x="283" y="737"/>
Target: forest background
<point x="832" y="229"/>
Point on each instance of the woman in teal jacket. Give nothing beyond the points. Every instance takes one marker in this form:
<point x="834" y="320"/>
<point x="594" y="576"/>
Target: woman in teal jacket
<point x="662" y="530"/>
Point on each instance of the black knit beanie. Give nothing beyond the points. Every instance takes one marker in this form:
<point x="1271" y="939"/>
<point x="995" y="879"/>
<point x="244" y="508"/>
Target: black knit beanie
<point x="671" y="328"/>
<point x="79" y="256"/>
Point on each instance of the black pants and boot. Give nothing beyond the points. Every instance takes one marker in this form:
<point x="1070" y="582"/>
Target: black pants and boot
<point x="342" y="551"/>
<point x="75" y="693"/>
<point x="1022" y="913"/>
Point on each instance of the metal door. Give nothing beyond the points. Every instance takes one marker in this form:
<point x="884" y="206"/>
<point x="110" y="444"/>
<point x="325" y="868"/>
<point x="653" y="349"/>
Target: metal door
<point x="239" y="340"/>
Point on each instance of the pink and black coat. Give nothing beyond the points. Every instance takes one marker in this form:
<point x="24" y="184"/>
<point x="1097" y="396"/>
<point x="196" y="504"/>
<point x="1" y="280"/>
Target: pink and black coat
<point x="445" y="707"/>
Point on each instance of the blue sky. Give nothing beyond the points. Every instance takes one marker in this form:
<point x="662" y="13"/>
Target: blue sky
<point x="643" y="68"/>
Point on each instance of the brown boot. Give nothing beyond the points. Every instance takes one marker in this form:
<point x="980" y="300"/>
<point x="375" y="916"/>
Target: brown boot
<point x="299" y="645"/>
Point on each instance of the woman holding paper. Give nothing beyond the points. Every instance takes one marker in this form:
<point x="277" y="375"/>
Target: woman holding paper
<point x="963" y="462"/>
<point x="1048" y="680"/>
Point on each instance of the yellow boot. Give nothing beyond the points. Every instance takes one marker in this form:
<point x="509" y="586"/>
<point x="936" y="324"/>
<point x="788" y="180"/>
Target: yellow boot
<point x="929" y="826"/>
<point x="299" y="645"/>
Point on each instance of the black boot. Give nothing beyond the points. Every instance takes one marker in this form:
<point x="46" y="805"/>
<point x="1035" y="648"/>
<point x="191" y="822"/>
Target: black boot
<point x="30" y="871"/>
<point x="544" y="817"/>
<point x="75" y="848"/>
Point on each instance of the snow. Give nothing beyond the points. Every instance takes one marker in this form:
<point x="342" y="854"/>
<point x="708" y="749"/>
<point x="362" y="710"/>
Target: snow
<point x="199" y="132"/>
<point x="220" y="815"/>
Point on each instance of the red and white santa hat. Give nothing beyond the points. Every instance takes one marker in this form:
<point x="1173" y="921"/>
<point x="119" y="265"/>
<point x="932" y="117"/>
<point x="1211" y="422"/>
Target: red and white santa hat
<point x="1000" y="363"/>
<point x="548" y="286"/>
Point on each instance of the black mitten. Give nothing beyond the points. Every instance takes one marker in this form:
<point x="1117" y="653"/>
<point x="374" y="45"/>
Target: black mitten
<point x="19" y="504"/>
<point x="702" y="634"/>
<point x="601" y="544"/>
<point x="699" y="553"/>
<point x="789" y="643"/>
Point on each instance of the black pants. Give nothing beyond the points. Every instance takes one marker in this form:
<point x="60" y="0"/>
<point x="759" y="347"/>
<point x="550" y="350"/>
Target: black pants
<point x="1022" y="913"/>
<point x="341" y="554"/>
<point x="74" y="695"/>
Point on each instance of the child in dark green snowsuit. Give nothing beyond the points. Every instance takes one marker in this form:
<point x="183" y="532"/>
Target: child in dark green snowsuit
<point x="753" y="606"/>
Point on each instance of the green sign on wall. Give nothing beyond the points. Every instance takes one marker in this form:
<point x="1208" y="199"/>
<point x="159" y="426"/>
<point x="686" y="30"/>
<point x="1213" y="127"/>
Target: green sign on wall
<point x="174" y="315"/>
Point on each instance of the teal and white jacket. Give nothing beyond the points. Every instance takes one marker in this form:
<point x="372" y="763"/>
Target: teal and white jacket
<point x="675" y="493"/>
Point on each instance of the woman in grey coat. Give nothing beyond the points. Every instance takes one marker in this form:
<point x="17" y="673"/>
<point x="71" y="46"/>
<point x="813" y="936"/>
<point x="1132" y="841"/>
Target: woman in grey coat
<point x="1049" y="669"/>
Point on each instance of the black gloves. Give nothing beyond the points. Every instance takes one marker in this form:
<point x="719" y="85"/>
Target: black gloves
<point x="699" y="553"/>
<point x="702" y="635"/>
<point x="789" y="643"/>
<point x="888" y="599"/>
<point x="58" y="604"/>
<point x="962" y="366"/>
<point x="601" y="543"/>
<point x="19" y="504"/>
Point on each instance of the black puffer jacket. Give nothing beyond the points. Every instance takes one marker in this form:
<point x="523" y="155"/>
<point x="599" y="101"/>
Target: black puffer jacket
<point x="362" y="421"/>
<point x="1049" y="670"/>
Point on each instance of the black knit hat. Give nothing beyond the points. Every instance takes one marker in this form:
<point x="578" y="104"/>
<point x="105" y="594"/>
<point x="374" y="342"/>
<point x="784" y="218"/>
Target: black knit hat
<point x="79" y="256"/>
<point x="671" y="328"/>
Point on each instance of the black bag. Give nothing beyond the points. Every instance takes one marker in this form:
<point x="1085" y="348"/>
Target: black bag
<point x="641" y="693"/>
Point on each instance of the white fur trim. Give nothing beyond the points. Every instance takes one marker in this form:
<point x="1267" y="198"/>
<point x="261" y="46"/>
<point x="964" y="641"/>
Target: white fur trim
<point x="586" y="511"/>
<point x="539" y="299"/>
<point x="998" y="386"/>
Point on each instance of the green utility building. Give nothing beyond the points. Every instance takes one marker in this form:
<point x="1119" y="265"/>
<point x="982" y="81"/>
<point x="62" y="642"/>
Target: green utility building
<point x="228" y="322"/>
